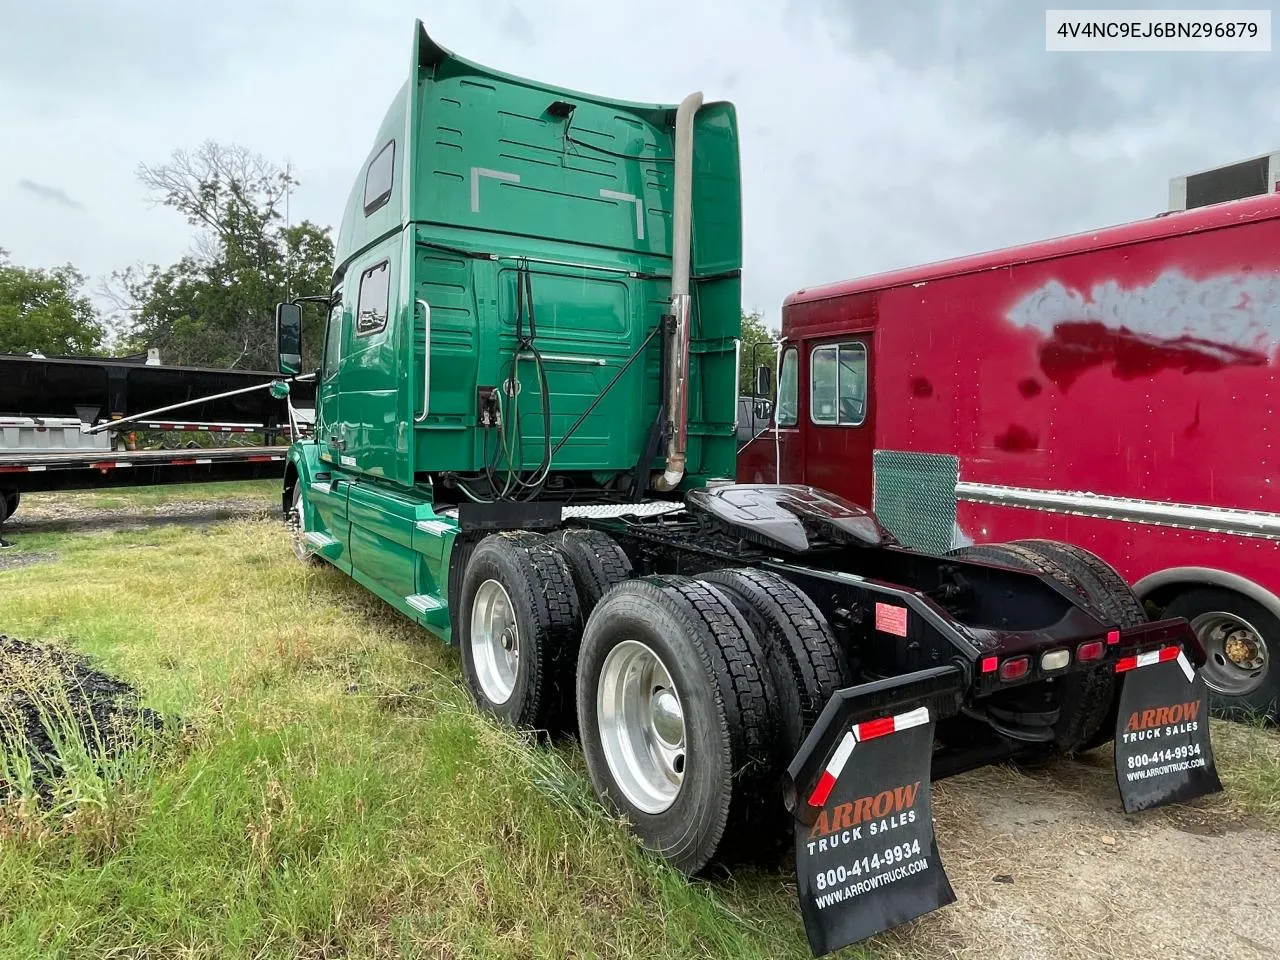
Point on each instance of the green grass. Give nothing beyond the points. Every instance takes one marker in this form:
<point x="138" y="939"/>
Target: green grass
<point x="114" y="498"/>
<point x="335" y="793"/>
<point x="1248" y="761"/>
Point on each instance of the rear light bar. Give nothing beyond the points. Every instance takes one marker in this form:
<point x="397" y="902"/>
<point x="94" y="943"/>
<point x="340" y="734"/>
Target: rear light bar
<point x="1091" y="650"/>
<point x="1015" y="668"/>
<point x="1055" y="660"/>
<point x="1052" y="661"/>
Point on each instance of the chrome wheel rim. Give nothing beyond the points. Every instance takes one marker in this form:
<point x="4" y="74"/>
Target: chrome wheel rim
<point x="296" y="529"/>
<point x="495" y="641"/>
<point x="641" y="722"/>
<point x="1237" y="655"/>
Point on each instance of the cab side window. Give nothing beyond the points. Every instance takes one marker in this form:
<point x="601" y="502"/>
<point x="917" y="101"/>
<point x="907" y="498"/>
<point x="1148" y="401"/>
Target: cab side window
<point x="838" y="384"/>
<point x="371" y="309"/>
<point x="788" y="389"/>
<point x="379" y="177"/>
<point x="332" y="339"/>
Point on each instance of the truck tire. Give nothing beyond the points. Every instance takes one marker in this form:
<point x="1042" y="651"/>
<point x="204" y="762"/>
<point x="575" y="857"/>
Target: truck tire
<point x="596" y="562"/>
<point x="11" y="500"/>
<point x="1112" y="598"/>
<point x="297" y="528"/>
<point x="1241" y="638"/>
<point x="677" y="719"/>
<point x="1108" y="592"/>
<point x="1087" y="701"/>
<point x="518" y="617"/>
<point x="805" y="662"/>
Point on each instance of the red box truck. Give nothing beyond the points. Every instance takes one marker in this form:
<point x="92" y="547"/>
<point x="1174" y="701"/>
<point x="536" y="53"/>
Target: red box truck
<point x="1116" y="389"/>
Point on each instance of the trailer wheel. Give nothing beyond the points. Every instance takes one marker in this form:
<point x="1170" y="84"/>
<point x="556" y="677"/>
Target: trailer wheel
<point x="296" y="520"/>
<point x="1087" y="701"/>
<point x="11" y="500"/>
<point x="518" y="613"/>
<point x="677" y="719"/>
<point x="596" y="561"/>
<point x="1241" y="639"/>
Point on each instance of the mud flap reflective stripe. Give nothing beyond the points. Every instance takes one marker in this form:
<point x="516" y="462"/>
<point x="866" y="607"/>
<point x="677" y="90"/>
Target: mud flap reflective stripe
<point x="866" y="730"/>
<point x="1163" y="752"/>
<point x="869" y="861"/>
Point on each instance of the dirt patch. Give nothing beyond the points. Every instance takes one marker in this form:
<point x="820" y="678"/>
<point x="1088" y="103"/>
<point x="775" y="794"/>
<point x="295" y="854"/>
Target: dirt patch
<point x="1049" y="866"/>
<point x="52" y="701"/>
<point x="53" y="516"/>
<point x="11" y="559"/>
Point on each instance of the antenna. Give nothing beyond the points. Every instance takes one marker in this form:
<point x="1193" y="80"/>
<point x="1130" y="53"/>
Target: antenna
<point x="288" y="257"/>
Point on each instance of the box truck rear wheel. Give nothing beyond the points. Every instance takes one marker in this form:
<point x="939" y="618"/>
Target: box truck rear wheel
<point x="518" y="611"/>
<point x="1241" y="639"/>
<point x="11" y="500"/>
<point x="677" y="719"/>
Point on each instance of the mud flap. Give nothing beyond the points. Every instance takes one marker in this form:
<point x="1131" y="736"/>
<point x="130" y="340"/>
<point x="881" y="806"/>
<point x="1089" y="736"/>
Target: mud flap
<point x="1162" y="748"/>
<point x="866" y="856"/>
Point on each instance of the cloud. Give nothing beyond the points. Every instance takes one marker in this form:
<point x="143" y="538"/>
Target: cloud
<point x="52" y="194"/>
<point x="994" y="51"/>
<point x="517" y="26"/>
<point x="873" y="135"/>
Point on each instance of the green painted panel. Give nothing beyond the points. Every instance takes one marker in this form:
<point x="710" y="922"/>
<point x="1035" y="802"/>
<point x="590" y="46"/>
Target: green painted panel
<point x="382" y="524"/>
<point x="492" y="169"/>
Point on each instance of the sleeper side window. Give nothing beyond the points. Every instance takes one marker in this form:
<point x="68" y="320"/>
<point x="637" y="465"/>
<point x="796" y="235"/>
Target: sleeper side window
<point x="371" y="309"/>
<point x="788" y="389"/>
<point x="838" y="384"/>
<point x="377" y="181"/>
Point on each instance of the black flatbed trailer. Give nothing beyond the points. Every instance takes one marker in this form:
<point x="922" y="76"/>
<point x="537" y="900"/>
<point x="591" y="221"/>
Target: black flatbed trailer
<point x="138" y="468"/>
<point x="119" y="396"/>
<point x="100" y="389"/>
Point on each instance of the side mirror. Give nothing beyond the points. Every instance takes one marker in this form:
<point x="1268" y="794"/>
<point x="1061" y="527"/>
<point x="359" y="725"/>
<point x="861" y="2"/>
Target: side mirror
<point x="764" y="381"/>
<point x="289" y="338"/>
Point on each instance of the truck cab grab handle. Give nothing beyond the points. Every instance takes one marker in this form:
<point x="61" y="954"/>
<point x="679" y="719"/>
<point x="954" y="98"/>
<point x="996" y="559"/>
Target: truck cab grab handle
<point x="426" y="359"/>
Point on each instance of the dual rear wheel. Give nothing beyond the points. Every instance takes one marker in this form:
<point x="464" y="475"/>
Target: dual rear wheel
<point x="688" y="695"/>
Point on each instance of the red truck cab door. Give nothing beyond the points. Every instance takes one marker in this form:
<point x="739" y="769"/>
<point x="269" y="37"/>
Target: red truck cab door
<point x="837" y="427"/>
<point x="779" y="444"/>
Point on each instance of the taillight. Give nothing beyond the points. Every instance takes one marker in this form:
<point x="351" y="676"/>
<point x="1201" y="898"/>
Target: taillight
<point x="1015" y="668"/>
<point x="1090" y="651"/>
<point x="1113" y="636"/>
<point x="989" y="664"/>
<point x="1055" y="659"/>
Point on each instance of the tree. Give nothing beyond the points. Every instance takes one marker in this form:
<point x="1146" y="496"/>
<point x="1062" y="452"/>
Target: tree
<point x="758" y="349"/>
<point x="216" y="306"/>
<point x="43" y="311"/>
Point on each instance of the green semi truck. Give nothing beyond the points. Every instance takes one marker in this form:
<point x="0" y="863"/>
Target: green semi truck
<point x="526" y="425"/>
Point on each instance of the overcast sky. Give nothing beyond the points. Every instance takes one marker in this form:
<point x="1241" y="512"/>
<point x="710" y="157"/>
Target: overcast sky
<point x="874" y="134"/>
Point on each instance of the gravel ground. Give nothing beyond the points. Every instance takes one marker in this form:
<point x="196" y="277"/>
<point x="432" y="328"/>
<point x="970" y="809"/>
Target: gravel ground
<point x="1049" y="867"/>
<point x="11" y="559"/>
<point x="52" y="515"/>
